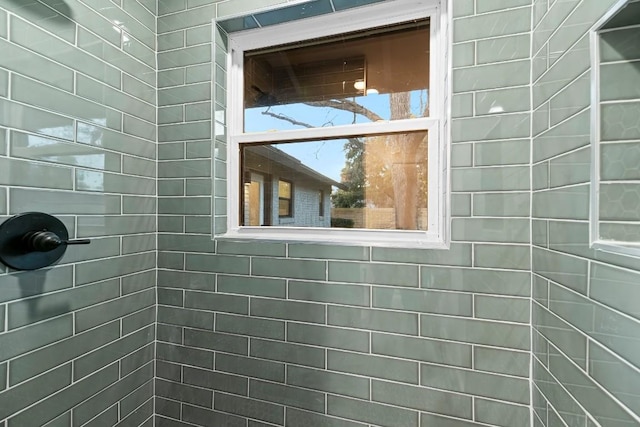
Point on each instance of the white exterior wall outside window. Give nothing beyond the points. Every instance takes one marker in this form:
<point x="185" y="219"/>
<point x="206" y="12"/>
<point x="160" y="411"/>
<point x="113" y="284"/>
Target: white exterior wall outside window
<point x="436" y="123"/>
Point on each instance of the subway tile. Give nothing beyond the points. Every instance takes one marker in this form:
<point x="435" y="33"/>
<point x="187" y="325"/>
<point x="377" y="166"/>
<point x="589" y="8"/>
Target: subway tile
<point x="572" y="99"/>
<point x="251" y="248"/>
<point x="203" y="416"/>
<point x="182" y="20"/>
<point x="25" y="312"/>
<point x="459" y="254"/>
<point x="241" y="325"/>
<point x="561" y="334"/>
<point x="371" y="412"/>
<point x="516" y="257"/>
<point x="44" y="17"/>
<point x="490" y="179"/>
<point x="35" y="39"/>
<point x="122" y="143"/>
<point x="69" y="397"/>
<point x="287" y="395"/>
<point x="619" y="161"/>
<point x="569" y="271"/>
<point x="215" y="380"/>
<point x="184" y="393"/>
<point x="94" y="271"/>
<point x="169" y="41"/>
<point x="51" y="150"/>
<point x="289" y="268"/>
<point x="501" y="414"/>
<point x="549" y="22"/>
<point x="121" y="101"/>
<point x="184" y="57"/>
<point x="184" y="131"/>
<point x="186" y="243"/>
<point x="295" y="417"/>
<point x="23" y="340"/>
<point x="424" y="301"/>
<point x="377" y="320"/>
<point x="112" y="352"/>
<point x="187" y="280"/>
<point x="289" y="353"/>
<point x="571" y="412"/>
<point x="218" y="263"/>
<point x="615" y="287"/>
<point x="252" y="286"/>
<point x="502" y="308"/>
<point x="615" y="375"/>
<point x="99" y="314"/>
<point x="572" y="168"/>
<point x="499" y="126"/>
<point x="491" y="76"/>
<point x="23" y="117"/>
<point x="477" y="280"/>
<point x="504" y="49"/>
<point x="184" y="94"/>
<point x="184" y="355"/>
<point x="373" y="366"/>
<point x="324" y="336"/>
<point x="501" y="204"/>
<point x="492" y="24"/>
<point x="185" y="317"/>
<point x="566" y="136"/>
<point x="35" y="390"/>
<point x="463" y="54"/>
<point x="501" y="361"/>
<point x="247" y="366"/>
<point x="331" y="382"/>
<point x="23" y="62"/>
<point x="474" y="331"/>
<point x="509" y="152"/>
<point x="510" y="230"/>
<point x="421" y="349"/>
<point x="511" y="100"/>
<point x="400" y="275"/>
<point x="565" y="70"/>
<point x="216" y="302"/>
<point x="461" y="155"/>
<point x="601" y="406"/>
<point x="421" y="398"/>
<point x="462" y="105"/>
<point x="460" y="205"/>
<point x="31" y="174"/>
<point x="288" y="310"/>
<point x="477" y="383"/>
<point x="111" y="54"/>
<point x="562" y="203"/>
<point x="249" y="408"/>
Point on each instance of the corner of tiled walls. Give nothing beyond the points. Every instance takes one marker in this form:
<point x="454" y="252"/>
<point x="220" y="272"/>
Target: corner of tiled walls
<point x="277" y="333"/>
<point x="78" y="140"/>
<point x="585" y="317"/>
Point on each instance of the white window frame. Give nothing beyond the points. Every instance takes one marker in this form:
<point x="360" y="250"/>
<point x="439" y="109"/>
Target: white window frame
<point x="362" y="18"/>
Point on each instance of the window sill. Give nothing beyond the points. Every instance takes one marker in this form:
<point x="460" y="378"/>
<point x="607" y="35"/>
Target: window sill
<point x="346" y="237"/>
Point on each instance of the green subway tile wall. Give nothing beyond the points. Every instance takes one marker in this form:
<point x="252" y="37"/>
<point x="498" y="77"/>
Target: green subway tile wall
<point x="585" y="369"/>
<point x="112" y="118"/>
<point x="305" y="334"/>
<point x="78" y="140"/>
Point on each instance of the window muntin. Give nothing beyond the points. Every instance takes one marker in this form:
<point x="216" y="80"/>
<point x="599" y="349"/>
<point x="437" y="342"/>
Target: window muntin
<point x="435" y="122"/>
<point x="339" y="80"/>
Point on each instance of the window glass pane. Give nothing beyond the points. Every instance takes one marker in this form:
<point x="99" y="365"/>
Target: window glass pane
<point x="379" y="74"/>
<point x="375" y="182"/>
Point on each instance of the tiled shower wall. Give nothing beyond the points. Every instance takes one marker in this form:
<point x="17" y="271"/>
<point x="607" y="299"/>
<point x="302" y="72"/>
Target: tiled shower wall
<point x="586" y="321"/>
<point x="297" y="334"/>
<point x="77" y="140"/>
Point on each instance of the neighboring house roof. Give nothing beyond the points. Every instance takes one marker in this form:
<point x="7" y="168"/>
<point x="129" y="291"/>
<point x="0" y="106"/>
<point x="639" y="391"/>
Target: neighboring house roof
<point x="278" y="156"/>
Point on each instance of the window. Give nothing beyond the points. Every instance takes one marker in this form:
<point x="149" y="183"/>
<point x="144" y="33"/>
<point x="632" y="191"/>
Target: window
<point x="285" y="199"/>
<point x="615" y="186"/>
<point x="347" y="113"/>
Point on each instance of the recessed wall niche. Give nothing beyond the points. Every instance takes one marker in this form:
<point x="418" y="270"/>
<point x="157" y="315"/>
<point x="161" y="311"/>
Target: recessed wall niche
<point x="615" y="186"/>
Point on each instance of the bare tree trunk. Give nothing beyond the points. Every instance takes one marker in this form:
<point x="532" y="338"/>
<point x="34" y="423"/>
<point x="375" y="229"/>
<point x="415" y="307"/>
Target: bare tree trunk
<point x="404" y="172"/>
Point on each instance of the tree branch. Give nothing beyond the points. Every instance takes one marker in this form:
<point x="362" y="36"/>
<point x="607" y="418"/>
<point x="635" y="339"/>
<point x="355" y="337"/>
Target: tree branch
<point x="347" y="105"/>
